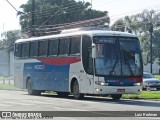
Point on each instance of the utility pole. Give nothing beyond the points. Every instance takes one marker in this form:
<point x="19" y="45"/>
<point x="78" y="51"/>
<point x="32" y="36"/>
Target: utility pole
<point x="91" y="10"/>
<point x="151" y="36"/>
<point x="91" y="4"/>
<point x="32" y="22"/>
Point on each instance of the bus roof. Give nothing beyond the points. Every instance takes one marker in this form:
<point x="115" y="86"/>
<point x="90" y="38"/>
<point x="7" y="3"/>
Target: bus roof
<point x="77" y="32"/>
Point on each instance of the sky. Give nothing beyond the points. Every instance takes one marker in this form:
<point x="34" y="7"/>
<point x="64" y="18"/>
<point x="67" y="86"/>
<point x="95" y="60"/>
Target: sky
<point x="116" y="8"/>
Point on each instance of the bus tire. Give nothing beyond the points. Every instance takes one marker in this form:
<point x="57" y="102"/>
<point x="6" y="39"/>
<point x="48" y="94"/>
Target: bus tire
<point x="30" y="89"/>
<point x="76" y="93"/>
<point x="158" y="88"/>
<point x="62" y="94"/>
<point x="116" y="96"/>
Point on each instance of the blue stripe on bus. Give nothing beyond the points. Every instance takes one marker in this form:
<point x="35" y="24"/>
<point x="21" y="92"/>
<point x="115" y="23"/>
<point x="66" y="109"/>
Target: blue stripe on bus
<point x="48" y="77"/>
<point x="119" y="81"/>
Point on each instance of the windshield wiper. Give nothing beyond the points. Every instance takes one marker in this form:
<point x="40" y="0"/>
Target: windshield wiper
<point x="114" y="66"/>
<point x="126" y="61"/>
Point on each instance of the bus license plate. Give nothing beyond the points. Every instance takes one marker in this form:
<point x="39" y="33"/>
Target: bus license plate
<point x="120" y="90"/>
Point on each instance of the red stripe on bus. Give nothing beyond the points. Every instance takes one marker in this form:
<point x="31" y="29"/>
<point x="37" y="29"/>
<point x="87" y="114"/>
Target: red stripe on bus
<point x="136" y="79"/>
<point x="59" y="61"/>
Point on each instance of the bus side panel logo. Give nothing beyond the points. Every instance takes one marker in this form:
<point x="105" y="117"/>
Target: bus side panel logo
<point x="40" y="67"/>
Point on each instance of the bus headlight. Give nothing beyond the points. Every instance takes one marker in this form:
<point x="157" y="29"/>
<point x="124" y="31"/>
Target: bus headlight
<point x="101" y="83"/>
<point x="137" y="84"/>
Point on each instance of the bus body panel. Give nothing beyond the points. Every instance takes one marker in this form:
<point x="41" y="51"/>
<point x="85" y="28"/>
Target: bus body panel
<point x="120" y="87"/>
<point x="18" y="75"/>
<point x="117" y="90"/>
<point x="45" y="76"/>
<point x="48" y="77"/>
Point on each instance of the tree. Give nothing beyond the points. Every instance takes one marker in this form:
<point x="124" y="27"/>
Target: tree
<point x="156" y="44"/>
<point x="149" y="21"/>
<point x="7" y="43"/>
<point x="9" y="39"/>
<point x="119" y="25"/>
<point x="142" y="23"/>
<point x="61" y="11"/>
<point x="132" y="24"/>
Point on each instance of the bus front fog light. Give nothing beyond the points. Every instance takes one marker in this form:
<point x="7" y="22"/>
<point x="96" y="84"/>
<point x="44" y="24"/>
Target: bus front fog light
<point x="98" y="90"/>
<point x="137" y="84"/>
<point x="104" y="84"/>
<point x="101" y="83"/>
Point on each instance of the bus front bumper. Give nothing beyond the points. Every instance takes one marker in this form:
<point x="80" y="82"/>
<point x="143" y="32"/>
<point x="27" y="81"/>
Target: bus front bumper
<point x="117" y="89"/>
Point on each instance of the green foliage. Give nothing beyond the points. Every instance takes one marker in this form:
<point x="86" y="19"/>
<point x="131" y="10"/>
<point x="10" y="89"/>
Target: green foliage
<point x="156" y="45"/>
<point x="140" y="24"/>
<point x="143" y="95"/>
<point x="8" y="87"/>
<point x="9" y="39"/>
<point x="118" y="25"/>
<point x="63" y="11"/>
<point x="145" y="45"/>
<point x="157" y="76"/>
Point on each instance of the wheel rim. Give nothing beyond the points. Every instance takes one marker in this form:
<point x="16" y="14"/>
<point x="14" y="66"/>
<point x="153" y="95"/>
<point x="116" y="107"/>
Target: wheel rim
<point x="76" y="90"/>
<point x="29" y="87"/>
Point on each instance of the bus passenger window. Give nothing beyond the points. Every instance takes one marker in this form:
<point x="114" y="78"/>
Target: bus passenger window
<point x="43" y="48"/>
<point x="75" y="45"/>
<point x="18" y="50"/>
<point x="90" y="62"/>
<point x="25" y="50"/>
<point x="86" y="56"/>
<point x="53" y="47"/>
<point x="34" y="49"/>
<point x="64" y="46"/>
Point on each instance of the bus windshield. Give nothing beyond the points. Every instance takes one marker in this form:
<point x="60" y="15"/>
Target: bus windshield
<point x="118" y="56"/>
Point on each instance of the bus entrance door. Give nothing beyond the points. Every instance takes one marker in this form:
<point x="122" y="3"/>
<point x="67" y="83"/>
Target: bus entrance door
<point x="86" y="83"/>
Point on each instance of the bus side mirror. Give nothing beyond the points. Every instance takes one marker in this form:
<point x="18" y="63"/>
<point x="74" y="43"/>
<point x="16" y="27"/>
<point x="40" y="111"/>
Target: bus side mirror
<point x="93" y="51"/>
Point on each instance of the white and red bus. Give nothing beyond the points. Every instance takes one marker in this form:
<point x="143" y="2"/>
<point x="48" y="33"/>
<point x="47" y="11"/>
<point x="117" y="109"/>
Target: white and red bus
<point x="80" y="62"/>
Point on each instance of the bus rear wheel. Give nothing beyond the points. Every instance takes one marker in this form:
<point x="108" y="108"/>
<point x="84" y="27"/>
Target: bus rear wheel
<point x="76" y="92"/>
<point x="30" y="89"/>
<point x="116" y="96"/>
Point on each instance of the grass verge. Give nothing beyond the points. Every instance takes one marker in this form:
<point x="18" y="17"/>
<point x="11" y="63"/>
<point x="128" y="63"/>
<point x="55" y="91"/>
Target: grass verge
<point x="157" y="76"/>
<point x="143" y="95"/>
<point x="6" y="78"/>
<point x="8" y="87"/>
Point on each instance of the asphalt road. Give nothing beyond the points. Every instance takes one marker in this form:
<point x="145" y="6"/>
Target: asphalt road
<point x="21" y="101"/>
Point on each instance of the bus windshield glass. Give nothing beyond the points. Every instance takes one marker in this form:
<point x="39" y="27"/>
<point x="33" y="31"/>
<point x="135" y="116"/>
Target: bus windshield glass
<point x="118" y="56"/>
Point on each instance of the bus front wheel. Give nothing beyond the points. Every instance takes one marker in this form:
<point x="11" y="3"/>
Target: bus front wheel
<point x="30" y="89"/>
<point x="76" y="92"/>
<point x="116" y="96"/>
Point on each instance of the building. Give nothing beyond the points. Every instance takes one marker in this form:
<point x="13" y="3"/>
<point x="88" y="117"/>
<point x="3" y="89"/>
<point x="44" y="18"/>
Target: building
<point x="6" y="65"/>
<point x="155" y="68"/>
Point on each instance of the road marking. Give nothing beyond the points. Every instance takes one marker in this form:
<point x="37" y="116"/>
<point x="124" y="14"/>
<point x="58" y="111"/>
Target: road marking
<point x="69" y="109"/>
<point x="37" y="102"/>
<point x="17" y="103"/>
<point x="4" y="105"/>
<point x="155" y="118"/>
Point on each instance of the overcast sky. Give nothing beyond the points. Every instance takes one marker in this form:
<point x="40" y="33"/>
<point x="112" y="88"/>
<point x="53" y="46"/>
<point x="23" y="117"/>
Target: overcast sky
<point x="116" y="9"/>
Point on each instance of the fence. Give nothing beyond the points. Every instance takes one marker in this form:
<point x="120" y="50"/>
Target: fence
<point x="6" y="80"/>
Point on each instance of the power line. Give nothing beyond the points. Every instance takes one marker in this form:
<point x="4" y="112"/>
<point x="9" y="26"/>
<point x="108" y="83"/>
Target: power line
<point x="45" y="13"/>
<point x="50" y="9"/>
<point x="71" y="11"/>
<point x="48" y="14"/>
<point x="117" y="19"/>
<point x="12" y="6"/>
<point x="46" y="10"/>
<point x="49" y="18"/>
